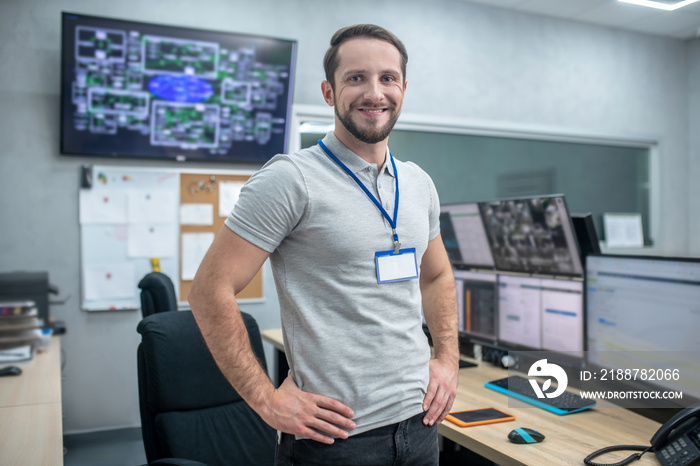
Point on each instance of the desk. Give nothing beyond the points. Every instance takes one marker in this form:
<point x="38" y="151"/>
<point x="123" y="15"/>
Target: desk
<point x="569" y="438"/>
<point x="274" y="336"/>
<point x="31" y="424"/>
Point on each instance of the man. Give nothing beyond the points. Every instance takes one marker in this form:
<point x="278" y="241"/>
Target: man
<point x="354" y="242"/>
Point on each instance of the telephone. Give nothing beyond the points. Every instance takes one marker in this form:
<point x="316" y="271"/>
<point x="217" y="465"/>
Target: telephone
<point x="676" y="443"/>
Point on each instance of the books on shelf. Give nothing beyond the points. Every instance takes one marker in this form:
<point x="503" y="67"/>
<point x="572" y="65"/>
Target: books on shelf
<point x="10" y="309"/>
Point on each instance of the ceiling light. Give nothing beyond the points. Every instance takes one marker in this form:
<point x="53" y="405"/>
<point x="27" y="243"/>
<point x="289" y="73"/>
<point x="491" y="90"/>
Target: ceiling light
<point x="668" y="5"/>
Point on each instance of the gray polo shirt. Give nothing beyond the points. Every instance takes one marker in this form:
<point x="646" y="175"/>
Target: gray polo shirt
<point x="346" y="336"/>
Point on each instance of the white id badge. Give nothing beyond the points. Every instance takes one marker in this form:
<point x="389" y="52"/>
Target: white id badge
<point x="396" y="267"/>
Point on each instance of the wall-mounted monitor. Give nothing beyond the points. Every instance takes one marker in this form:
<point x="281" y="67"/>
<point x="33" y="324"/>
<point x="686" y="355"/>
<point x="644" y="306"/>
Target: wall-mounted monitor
<point x="140" y="90"/>
<point x="532" y="235"/>
<point x="464" y="236"/>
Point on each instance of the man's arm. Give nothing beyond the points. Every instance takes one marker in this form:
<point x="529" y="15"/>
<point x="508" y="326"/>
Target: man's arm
<point x="229" y="265"/>
<point x="440" y="309"/>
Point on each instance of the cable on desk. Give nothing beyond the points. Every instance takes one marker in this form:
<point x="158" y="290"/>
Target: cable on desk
<point x="629" y="459"/>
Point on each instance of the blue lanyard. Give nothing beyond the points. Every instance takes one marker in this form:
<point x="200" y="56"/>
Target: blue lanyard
<point x="392" y="221"/>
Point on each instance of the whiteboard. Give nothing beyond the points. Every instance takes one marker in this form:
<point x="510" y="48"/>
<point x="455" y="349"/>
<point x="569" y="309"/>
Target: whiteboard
<point x="111" y="262"/>
<point x="128" y="216"/>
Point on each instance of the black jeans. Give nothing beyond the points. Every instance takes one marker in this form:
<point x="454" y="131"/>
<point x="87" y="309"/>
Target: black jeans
<point x="408" y="443"/>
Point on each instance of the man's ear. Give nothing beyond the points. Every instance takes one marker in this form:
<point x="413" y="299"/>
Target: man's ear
<point x="327" y="91"/>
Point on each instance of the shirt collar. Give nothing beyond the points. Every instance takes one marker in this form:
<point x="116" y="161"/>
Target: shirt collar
<point x="353" y="161"/>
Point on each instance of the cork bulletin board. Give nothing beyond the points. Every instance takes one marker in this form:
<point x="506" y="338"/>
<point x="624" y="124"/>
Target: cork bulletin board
<point x="205" y="189"/>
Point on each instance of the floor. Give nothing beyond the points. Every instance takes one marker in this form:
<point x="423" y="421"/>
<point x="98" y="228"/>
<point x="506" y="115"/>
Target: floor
<point x="121" y="447"/>
<point x="124" y="447"/>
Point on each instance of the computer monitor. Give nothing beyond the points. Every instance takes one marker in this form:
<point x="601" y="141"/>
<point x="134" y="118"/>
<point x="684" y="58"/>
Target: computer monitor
<point x="643" y="312"/>
<point x="585" y="233"/>
<point x="541" y="314"/>
<point x="561" y="307"/>
<point x="477" y="302"/>
<point x="532" y="235"/>
<point x="464" y="236"/>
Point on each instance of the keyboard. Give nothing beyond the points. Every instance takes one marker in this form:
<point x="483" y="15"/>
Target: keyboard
<point x="520" y="388"/>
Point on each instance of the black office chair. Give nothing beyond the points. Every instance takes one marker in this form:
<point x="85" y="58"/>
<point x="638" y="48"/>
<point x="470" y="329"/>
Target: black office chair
<point x="188" y="408"/>
<point x="157" y="294"/>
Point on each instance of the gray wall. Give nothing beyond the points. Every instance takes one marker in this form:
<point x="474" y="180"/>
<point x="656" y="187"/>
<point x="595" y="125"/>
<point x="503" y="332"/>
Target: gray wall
<point x="479" y="168"/>
<point x="467" y="62"/>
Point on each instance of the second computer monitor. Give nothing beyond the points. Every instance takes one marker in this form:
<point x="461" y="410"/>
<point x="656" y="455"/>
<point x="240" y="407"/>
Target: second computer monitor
<point x="463" y="235"/>
<point x="477" y="300"/>
<point x="643" y="315"/>
<point x="585" y="233"/>
<point x="532" y="235"/>
<point x="521" y="312"/>
<point x="541" y="313"/>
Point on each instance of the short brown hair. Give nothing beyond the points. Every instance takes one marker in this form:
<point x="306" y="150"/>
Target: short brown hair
<point x="330" y="61"/>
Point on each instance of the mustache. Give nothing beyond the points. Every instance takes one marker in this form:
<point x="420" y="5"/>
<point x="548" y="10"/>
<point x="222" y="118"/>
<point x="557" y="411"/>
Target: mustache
<point x="373" y="105"/>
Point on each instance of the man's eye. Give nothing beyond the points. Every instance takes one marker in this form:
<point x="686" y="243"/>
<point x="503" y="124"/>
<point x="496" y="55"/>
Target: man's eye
<point x="354" y="78"/>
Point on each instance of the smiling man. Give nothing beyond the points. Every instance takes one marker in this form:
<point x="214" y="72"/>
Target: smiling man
<point x="353" y="237"/>
<point x="380" y="103"/>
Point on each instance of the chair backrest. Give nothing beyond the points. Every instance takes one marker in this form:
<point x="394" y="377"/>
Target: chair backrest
<point x="157" y="294"/>
<point x="188" y="408"/>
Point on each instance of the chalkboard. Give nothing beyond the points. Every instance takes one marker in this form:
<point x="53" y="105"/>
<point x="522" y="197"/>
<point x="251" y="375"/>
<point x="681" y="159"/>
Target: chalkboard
<point x="131" y="218"/>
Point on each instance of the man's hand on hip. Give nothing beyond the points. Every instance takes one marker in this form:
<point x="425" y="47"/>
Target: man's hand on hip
<point x="317" y="417"/>
<point x="442" y="390"/>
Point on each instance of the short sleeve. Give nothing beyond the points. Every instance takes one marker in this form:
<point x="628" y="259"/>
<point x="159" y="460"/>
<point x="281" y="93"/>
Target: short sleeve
<point x="270" y="205"/>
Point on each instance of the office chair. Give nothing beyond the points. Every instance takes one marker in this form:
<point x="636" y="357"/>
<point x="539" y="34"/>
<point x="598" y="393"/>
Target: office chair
<point x="157" y="294"/>
<point x="188" y="408"/>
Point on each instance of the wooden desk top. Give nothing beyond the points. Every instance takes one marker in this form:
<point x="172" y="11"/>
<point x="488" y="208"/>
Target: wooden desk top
<point x="274" y="336"/>
<point x="31" y="423"/>
<point x="40" y="381"/>
<point x="569" y="439"/>
<point x="31" y="434"/>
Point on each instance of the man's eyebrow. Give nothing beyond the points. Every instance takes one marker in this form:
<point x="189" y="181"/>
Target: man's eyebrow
<point x="356" y="71"/>
<point x="363" y="71"/>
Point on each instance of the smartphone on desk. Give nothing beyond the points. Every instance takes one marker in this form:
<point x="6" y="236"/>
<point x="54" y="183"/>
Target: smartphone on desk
<point x="477" y="417"/>
<point x="463" y="364"/>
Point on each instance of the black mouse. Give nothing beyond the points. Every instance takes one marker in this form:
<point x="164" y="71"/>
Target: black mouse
<point x="10" y="370"/>
<point x="525" y="435"/>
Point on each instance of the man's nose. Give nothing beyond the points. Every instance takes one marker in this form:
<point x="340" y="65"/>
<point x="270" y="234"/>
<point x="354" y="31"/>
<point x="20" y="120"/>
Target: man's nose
<point x="374" y="91"/>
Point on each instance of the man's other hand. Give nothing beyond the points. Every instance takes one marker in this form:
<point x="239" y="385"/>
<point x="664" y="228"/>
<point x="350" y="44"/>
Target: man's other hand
<point x="442" y="390"/>
<point x="317" y="417"/>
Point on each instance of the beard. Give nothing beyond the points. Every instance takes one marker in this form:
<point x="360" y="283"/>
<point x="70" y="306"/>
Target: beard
<point x="370" y="134"/>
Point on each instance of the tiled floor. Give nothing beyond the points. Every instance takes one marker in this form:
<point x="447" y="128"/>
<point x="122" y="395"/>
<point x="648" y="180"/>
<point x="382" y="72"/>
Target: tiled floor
<point x="122" y="447"/>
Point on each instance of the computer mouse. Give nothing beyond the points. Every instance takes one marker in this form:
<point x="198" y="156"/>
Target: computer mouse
<point x="10" y="370"/>
<point x="525" y="435"/>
